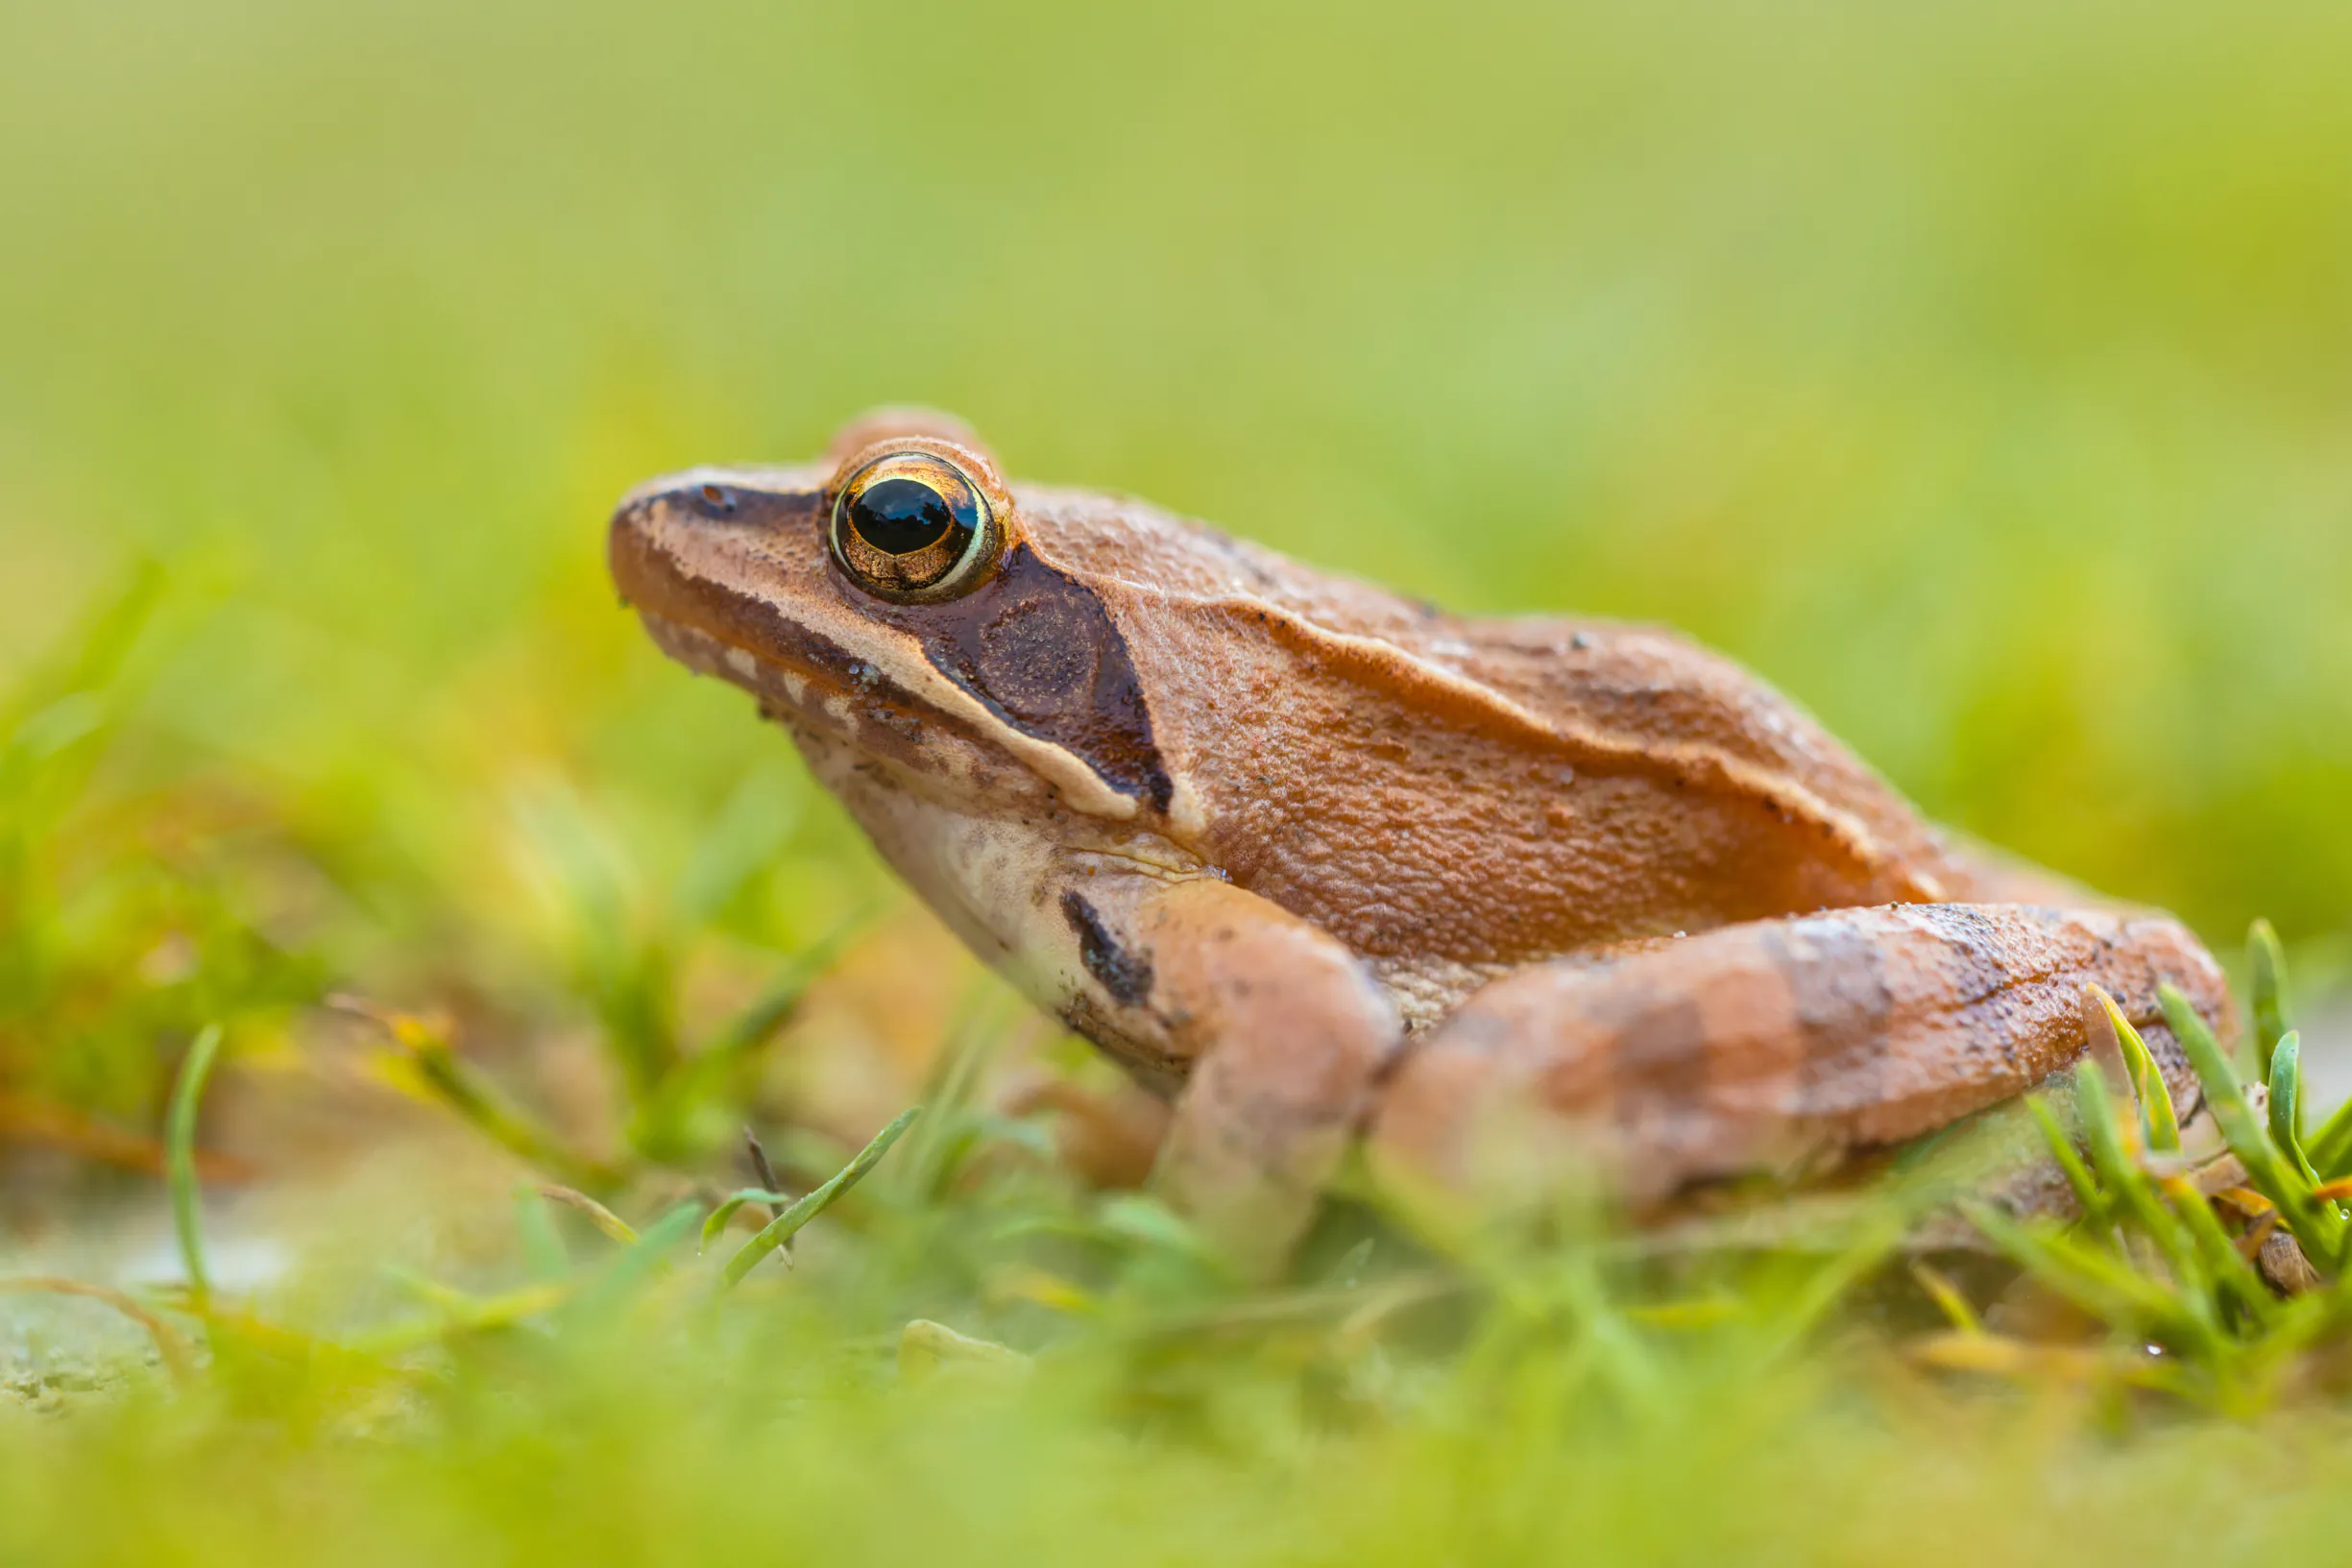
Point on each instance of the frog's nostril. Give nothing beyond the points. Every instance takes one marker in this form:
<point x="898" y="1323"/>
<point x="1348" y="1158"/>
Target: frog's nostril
<point x="681" y="498"/>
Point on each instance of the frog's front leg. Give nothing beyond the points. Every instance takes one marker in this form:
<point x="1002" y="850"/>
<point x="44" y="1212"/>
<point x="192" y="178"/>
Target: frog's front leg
<point x="1276" y="1029"/>
<point x="1775" y="1046"/>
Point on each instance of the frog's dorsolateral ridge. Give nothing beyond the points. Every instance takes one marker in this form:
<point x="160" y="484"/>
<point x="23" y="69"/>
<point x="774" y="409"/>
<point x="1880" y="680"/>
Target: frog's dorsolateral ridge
<point x="1318" y="862"/>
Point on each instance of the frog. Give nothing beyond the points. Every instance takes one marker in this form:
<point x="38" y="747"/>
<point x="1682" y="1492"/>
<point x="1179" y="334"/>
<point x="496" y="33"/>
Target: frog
<point x="1349" y="882"/>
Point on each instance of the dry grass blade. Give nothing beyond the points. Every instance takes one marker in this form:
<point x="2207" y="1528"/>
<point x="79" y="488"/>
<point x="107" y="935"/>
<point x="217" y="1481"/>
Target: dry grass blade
<point x="762" y="1170"/>
<point x="2020" y="1360"/>
<point x="454" y="1081"/>
<point x="1948" y="1298"/>
<point x="458" y="1313"/>
<point x="598" y="1216"/>
<point x="30" y="1118"/>
<point x="170" y="1345"/>
<point x="928" y="1350"/>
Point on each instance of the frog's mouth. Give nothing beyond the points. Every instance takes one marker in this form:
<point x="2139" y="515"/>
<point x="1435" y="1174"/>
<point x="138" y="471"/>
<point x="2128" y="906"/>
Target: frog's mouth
<point x="705" y="622"/>
<point x="841" y="694"/>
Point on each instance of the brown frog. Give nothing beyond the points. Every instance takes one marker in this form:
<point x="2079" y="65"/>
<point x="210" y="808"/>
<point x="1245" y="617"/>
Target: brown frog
<point x="1319" y="862"/>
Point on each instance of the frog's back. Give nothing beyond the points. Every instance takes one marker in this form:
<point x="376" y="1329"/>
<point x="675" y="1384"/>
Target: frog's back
<point x="1456" y="796"/>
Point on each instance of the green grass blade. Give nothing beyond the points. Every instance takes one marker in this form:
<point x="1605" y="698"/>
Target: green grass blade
<point x="712" y="1074"/>
<point x="623" y="974"/>
<point x="2094" y="1280"/>
<point x="631" y="1267"/>
<point x="2137" y="1195"/>
<point x="738" y="843"/>
<point x="179" y="1161"/>
<point x="2319" y="1227"/>
<point x="2268" y="960"/>
<point x="1783" y="1328"/>
<point x="542" y="1245"/>
<point x="2287" y="1103"/>
<point x="454" y="1315"/>
<point x="951" y="1130"/>
<point x="2273" y="1360"/>
<point x="2113" y="1164"/>
<point x="2330" y="1149"/>
<point x="2095" y="1209"/>
<point x="63" y="698"/>
<point x="717" y="1221"/>
<point x="776" y="1003"/>
<point x="2247" y="1136"/>
<point x="1612" y="1349"/>
<point x="787" y="1224"/>
<point x="646" y="1250"/>
<point x="2222" y="1260"/>
<point x="2160" y="1128"/>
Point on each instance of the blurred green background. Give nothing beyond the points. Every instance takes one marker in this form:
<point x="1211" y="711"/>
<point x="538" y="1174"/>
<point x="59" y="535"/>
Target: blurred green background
<point x="1980" y="374"/>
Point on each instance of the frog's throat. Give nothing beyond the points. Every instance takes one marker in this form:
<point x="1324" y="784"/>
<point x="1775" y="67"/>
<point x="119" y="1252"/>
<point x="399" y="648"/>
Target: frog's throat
<point x="813" y="676"/>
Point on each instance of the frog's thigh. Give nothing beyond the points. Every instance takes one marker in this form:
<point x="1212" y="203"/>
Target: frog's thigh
<point x="1774" y="1045"/>
<point x="1286" y="1030"/>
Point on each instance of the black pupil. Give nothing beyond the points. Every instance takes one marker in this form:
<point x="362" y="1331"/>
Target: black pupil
<point x="899" y="516"/>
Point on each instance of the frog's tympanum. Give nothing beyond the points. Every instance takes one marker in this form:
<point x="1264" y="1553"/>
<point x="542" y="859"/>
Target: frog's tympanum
<point x="1322" y="863"/>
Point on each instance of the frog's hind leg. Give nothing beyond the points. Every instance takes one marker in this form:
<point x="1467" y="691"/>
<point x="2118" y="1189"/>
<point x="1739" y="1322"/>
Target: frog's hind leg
<point x="1775" y="1046"/>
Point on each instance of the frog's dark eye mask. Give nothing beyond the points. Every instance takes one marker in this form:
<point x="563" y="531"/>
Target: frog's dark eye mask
<point x="914" y="527"/>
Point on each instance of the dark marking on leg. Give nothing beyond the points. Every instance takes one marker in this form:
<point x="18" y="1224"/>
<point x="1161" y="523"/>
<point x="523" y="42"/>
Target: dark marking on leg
<point x="1838" y="992"/>
<point x="1656" y="1060"/>
<point x="1127" y="975"/>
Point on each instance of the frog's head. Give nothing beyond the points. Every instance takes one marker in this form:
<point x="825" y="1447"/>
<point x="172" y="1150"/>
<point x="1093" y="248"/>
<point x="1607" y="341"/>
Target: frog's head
<point x="891" y="605"/>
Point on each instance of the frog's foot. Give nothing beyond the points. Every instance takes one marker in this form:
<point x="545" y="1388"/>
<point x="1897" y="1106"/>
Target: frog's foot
<point x="1286" y="1034"/>
<point x="1777" y="1045"/>
<point x="1109" y="1138"/>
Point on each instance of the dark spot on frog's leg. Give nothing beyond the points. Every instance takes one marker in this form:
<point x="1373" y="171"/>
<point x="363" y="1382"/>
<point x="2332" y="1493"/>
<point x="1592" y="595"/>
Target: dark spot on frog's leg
<point x="1127" y="975"/>
<point x="1837" y="990"/>
<point x="1657" y="1059"/>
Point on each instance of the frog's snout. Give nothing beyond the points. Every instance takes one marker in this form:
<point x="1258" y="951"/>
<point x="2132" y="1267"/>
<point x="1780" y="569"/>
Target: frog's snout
<point x="674" y="543"/>
<point x="663" y="519"/>
<point x="677" y="513"/>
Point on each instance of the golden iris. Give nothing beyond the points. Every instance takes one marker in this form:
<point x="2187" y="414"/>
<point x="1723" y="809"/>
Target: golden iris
<point x="910" y="525"/>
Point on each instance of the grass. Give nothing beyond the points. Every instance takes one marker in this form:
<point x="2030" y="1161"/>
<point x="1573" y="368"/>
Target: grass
<point x="1501" y="1394"/>
<point x="1977" y="374"/>
<point x="2213" y="1273"/>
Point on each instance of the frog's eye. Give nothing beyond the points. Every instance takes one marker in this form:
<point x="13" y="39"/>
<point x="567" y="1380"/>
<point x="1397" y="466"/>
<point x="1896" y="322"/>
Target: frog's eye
<point x="912" y="525"/>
